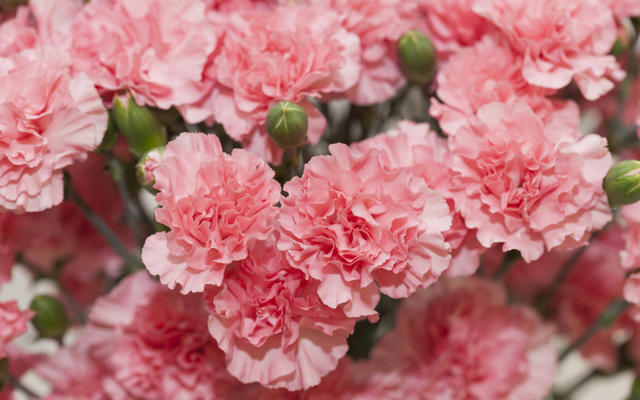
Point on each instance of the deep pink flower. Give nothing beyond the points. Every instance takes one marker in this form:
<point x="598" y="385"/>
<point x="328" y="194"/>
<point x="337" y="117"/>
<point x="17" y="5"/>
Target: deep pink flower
<point x="49" y="119"/>
<point x="460" y="340"/>
<point x="559" y="41"/>
<point x="215" y="205"/>
<point x="13" y="323"/>
<point x="357" y="227"/>
<point x="271" y="324"/>
<point x="287" y="52"/>
<point x="159" y="347"/>
<point x="421" y="152"/>
<point x="157" y="49"/>
<point x="529" y="185"/>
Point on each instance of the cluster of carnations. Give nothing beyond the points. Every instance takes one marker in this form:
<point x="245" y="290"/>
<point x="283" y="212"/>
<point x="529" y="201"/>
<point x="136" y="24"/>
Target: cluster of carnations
<point x="295" y="252"/>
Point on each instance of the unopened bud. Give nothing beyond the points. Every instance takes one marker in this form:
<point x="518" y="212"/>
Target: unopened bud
<point x="626" y="37"/>
<point x="287" y="125"/>
<point x="51" y="319"/>
<point x="147" y="165"/>
<point x="417" y="57"/>
<point x="138" y="125"/>
<point x="622" y="183"/>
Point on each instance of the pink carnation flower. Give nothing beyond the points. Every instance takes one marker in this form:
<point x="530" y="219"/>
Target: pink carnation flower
<point x="17" y="34"/>
<point x="528" y="185"/>
<point x="488" y="71"/>
<point x="460" y="340"/>
<point x="215" y="204"/>
<point x="157" y="49"/>
<point x="13" y="323"/>
<point x="159" y="347"/>
<point x="421" y="152"/>
<point x="379" y="25"/>
<point x="630" y="255"/>
<point x="560" y="41"/>
<point x="452" y="25"/>
<point x="287" y="52"/>
<point x="271" y="324"/>
<point x="48" y="120"/>
<point x="355" y="226"/>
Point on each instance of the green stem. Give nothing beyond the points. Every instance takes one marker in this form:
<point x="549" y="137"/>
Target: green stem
<point x="102" y="227"/>
<point x="508" y="262"/>
<point x="605" y="319"/>
<point x="560" y="277"/>
<point x="12" y="381"/>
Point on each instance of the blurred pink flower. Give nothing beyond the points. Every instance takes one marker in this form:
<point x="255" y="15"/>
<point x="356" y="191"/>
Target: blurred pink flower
<point x="421" y="152"/>
<point x="460" y="340"/>
<point x="49" y="119"/>
<point x="215" y="205"/>
<point x="560" y="41"/>
<point x="624" y="8"/>
<point x="287" y="52"/>
<point x="157" y="49"/>
<point x="13" y="323"/>
<point x="630" y="255"/>
<point x="159" y="347"/>
<point x="271" y="324"/>
<point x="529" y="185"/>
<point x="358" y="226"/>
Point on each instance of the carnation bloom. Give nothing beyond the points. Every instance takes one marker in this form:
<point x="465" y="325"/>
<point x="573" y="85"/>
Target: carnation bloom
<point x="419" y="151"/>
<point x="157" y="49"/>
<point x="49" y="119"/>
<point x="528" y="185"/>
<point x="214" y="204"/>
<point x="17" y="34"/>
<point x="560" y="41"/>
<point x="624" y="8"/>
<point x="355" y="226"/>
<point x="159" y="348"/>
<point x="13" y="323"/>
<point x="470" y="79"/>
<point x="460" y="340"/>
<point x="452" y="24"/>
<point x="286" y="52"/>
<point x="379" y="25"/>
<point x="270" y="322"/>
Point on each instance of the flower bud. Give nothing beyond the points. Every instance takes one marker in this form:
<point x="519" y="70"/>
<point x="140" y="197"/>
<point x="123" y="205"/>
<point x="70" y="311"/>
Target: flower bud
<point x="51" y="319"/>
<point x="417" y="57"/>
<point x="622" y="183"/>
<point x="626" y="37"/>
<point x="287" y="125"/>
<point x="147" y="165"/>
<point x="138" y="125"/>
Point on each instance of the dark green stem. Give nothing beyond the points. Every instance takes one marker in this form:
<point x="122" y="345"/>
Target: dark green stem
<point x="605" y="319"/>
<point x="560" y="277"/>
<point x="102" y="227"/>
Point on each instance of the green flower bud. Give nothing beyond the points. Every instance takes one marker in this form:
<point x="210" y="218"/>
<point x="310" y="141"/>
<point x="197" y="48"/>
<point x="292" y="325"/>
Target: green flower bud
<point x="138" y="125"/>
<point x="417" y="57"/>
<point x="622" y="183"/>
<point x="110" y="136"/>
<point x="287" y="125"/>
<point x="51" y="319"/>
<point x="147" y="164"/>
<point x="626" y="37"/>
